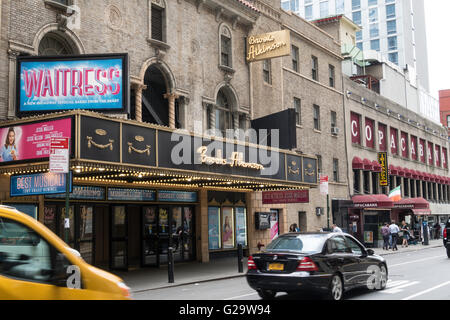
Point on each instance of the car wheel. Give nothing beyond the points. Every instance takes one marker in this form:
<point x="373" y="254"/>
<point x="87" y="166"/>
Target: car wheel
<point x="383" y="278"/>
<point x="336" y="290"/>
<point x="448" y="252"/>
<point x="266" y="294"/>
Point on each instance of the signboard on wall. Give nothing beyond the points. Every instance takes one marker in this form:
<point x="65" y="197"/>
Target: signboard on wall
<point x="268" y="45"/>
<point x="91" y="82"/>
<point x="31" y="141"/>
<point x="38" y="184"/>
<point x="289" y="196"/>
<point x="82" y="193"/>
<point x="384" y="174"/>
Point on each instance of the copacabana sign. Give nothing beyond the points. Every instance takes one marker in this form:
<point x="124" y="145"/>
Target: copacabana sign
<point x="88" y="82"/>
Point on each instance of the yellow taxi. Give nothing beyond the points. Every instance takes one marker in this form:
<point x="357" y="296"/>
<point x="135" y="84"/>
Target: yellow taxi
<point x="37" y="264"/>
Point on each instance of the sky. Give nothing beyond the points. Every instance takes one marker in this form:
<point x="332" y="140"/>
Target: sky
<point x="438" y="34"/>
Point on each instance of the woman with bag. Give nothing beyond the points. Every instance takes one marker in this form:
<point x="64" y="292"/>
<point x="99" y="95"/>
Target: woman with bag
<point x="405" y="231"/>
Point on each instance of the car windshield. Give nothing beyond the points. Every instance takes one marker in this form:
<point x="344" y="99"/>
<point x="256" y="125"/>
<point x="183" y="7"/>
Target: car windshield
<point x="305" y="243"/>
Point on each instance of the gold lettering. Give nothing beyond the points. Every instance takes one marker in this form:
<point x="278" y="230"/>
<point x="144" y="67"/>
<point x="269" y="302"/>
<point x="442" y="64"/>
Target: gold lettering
<point x="236" y="159"/>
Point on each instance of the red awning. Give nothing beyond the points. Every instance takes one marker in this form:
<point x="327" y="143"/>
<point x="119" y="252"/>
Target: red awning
<point x="414" y="174"/>
<point x="372" y="201"/>
<point x="422" y="212"/>
<point x="376" y="166"/>
<point x="401" y="171"/>
<point x="426" y="176"/>
<point x="393" y="170"/>
<point x="412" y="203"/>
<point x="367" y="164"/>
<point x="357" y="163"/>
<point x="432" y="177"/>
<point x="420" y="175"/>
<point x="408" y="173"/>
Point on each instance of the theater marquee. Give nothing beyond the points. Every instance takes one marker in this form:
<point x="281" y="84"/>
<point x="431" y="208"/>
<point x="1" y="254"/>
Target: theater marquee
<point x="268" y="45"/>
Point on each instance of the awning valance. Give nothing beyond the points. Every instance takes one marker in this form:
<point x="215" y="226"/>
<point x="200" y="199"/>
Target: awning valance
<point x="412" y="203"/>
<point x="372" y="201"/>
<point x="357" y="163"/>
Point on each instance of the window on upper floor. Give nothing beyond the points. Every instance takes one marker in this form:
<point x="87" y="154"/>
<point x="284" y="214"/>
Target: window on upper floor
<point x="314" y="68"/>
<point x="393" y="57"/>
<point x="267" y="72"/>
<point x="158" y="20"/>
<point x="294" y="5"/>
<point x="391" y="26"/>
<point x="285" y="5"/>
<point x="392" y="43"/>
<point x="333" y="118"/>
<point x="298" y="111"/>
<point x="309" y="12"/>
<point x="374" y="30"/>
<point x="375" y="45"/>
<point x="294" y="55"/>
<point x="340" y="6"/>
<point x="336" y="170"/>
<point x="331" y="75"/>
<point x="356" y="17"/>
<point x="390" y="11"/>
<point x="372" y="3"/>
<point x="373" y="15"/>
<point x="316" y="117"/>
<point x="225" y="47"/>
<point x="324" y="9"/>
<point x="356" y="4"/>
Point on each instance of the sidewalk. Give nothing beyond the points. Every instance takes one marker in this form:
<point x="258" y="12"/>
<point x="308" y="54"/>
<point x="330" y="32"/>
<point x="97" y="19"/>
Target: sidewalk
<point x="223" y="268"/>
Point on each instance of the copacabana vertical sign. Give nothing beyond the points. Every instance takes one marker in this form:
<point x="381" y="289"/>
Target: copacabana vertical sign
<point x="91" y="82"/>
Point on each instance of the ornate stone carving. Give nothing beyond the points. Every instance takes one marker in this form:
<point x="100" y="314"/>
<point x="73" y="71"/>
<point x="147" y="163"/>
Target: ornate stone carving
<point x="113" y="17"/>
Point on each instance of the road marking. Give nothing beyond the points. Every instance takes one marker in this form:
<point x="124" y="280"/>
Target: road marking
<point x="426" y="291"/>
<point x="414" y="261"/>
<point x="391" y="284"/>
<point x="241" y="296"/>
<point x="399" y="288"/>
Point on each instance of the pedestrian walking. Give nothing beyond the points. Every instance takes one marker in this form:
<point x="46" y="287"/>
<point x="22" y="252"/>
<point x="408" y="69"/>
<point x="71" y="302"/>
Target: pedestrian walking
<point x="336" y="228"/>
<point x="437" y="227"/>
<point x="294" y="228"/>
<point x="405" y="230"/>
<point x="386" y="236"/>
<point x="394" y="232"/>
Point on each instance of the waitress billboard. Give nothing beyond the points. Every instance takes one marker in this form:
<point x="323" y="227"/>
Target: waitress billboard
<point x="91" y="82"/>
<point x="31" y="141"/>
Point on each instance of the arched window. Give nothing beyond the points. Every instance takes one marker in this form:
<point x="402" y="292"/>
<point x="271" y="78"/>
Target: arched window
<point x="224" y="118"/>
<point x="53" y="44"/>
<point x="225" y="47"/>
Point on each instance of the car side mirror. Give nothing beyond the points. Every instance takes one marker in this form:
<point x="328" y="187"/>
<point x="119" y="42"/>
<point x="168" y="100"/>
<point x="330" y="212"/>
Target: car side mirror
<point x="370" y="252"/>
<point x="35" y="239"/>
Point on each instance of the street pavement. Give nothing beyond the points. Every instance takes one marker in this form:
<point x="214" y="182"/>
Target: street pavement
<point x="413" y="275"/>
<point x="146" y="282"/>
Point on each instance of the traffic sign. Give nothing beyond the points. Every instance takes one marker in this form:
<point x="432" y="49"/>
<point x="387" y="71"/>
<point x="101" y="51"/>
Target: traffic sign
<point x="59" y="155"/>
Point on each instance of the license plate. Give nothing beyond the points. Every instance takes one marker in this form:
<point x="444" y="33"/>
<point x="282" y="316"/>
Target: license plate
<point x="276" y="267"/>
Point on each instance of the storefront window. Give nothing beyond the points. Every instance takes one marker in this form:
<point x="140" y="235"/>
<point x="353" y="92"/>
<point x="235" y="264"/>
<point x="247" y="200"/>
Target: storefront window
<point x="227" y="228"/>
<point x="163" y="221"/>
<point x="274" y="224"/>
<point x="214" y="228"/>
<point x="50" y="217"/>
<point x="241" y="226"/>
